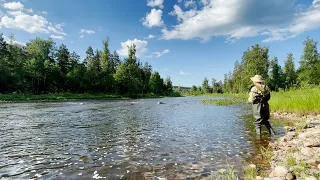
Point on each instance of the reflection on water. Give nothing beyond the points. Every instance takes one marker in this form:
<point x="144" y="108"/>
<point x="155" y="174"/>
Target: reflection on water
<point x="137" y="139"/>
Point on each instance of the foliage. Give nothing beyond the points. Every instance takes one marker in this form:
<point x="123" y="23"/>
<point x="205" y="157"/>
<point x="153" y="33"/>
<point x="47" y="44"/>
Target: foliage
<point x="255" y="60"/>
<point x="42" y="68"/>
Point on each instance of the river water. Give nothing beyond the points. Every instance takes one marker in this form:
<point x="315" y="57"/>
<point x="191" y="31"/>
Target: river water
<point x="134" y="139"/>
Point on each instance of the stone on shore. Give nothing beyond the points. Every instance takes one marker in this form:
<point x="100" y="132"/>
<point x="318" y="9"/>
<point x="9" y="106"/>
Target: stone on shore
<point x="280" y="171"/>
<point x="289" y="176"/>
<point x="307" y="151"/>
<point x="311" y="178"/>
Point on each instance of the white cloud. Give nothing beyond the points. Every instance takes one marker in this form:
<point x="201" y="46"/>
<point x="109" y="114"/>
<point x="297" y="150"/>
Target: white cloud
<point x="13" y="41"/>
<point x="189" y="3"/>
<point x="57" y="29"/>
<point x="237" y="19"/>
<point x="183" y="73"/>
<point x="57" y="37"/>
<point x="153" y="18"/>
<point x="43" y="12"/>
<point x="141" y="47"/>
<point x="159" y="54"/>
<point x="87" y="31"/>
<point x="81" y="36"/>
<point x="155" y="3"/>
<point x="29" y="10"/>
<point x="13" y="5"/>
<point x="150" y="36"/>
<point x="31" y="23"/>
<point x="15" y="13"/>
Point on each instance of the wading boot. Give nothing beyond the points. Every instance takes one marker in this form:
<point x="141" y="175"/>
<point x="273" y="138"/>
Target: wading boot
<point x="258" y="130"/>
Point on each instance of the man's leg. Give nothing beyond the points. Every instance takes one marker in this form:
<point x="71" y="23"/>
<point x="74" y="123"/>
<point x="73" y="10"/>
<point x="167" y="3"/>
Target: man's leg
<point x="269" y="127"/>
<point x="257" y="125"/>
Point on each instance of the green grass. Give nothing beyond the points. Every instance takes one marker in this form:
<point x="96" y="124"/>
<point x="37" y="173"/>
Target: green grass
<point x="250" y="173"/>
<point x="290" y="161"/>
<point x="230" y="99"/>
<point x="302" y="101"/>
<point x="70" y="96"/>
<point x="267" y="153"/>
<point x="227" y="174"/>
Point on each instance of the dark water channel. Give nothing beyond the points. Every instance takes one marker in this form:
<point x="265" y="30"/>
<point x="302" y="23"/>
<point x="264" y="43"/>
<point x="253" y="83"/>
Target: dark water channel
<point x="135" y="139"/>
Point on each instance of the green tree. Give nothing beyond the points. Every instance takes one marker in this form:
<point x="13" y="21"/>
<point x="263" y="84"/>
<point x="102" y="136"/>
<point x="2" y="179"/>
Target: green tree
<point x="63" y="56"/>
<point x="39" y="51"/>
<point x="128" y="75"/>
<point x="168" y="85"/>
<point x="308" y="73"/>
<point x="156" y="83"/>
<point x="89" y="55"/>
<point x="254" y="61"/>
<point x="289" y="71"/>
<point x="276" y="78"/>
<point x="205" y="85"/>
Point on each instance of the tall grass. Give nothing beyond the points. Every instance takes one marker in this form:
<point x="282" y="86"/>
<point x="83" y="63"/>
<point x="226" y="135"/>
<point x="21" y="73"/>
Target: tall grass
<point x="302" y="101"/>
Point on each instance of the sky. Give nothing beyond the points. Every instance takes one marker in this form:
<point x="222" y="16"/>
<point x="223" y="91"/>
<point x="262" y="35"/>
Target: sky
<point x="187" y="40"/>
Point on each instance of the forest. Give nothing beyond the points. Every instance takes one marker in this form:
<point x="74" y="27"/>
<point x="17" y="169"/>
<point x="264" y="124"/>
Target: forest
<point x="256" y="60"/>
<point x="40" y="67"/>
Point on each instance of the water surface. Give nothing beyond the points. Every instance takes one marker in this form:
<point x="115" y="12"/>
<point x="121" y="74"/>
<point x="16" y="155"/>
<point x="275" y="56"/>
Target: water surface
<point x="134" y="139"/>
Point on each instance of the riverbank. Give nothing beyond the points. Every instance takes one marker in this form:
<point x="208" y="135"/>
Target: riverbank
<point x="73" y="97"/>
<point x="296" y="155"/>
<point x="301" y="102"/>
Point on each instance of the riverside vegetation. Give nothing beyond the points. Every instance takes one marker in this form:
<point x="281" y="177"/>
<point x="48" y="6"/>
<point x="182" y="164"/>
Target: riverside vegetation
<point x="295" y="96"/>
<point x="54" y="73"/>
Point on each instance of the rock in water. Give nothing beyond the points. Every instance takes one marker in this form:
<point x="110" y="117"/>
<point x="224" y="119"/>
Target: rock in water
<point x="160" y="102"/>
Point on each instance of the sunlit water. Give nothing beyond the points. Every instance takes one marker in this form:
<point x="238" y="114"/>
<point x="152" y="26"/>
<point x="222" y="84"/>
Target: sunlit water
<point x="135" y="139"/>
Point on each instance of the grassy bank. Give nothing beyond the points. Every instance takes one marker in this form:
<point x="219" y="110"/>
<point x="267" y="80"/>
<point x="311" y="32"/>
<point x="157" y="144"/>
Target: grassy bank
<point x="301" y="101"/>
<point x="70" y="96"/>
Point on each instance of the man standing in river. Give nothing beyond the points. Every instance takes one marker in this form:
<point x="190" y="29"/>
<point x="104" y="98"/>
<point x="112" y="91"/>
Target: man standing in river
<point x="259" y="96"/>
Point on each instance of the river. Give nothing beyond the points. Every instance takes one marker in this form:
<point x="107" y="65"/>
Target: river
<point x="133" y="139"/>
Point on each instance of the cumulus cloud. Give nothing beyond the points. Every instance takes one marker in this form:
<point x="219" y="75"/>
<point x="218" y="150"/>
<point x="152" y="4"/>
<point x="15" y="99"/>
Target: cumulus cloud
<point x="13" y="41"/>
<point x="155" y="3"/>
<point x="13" y="5"/>
<point x="154" y="18"/>
<point x="141" y="47"/>
<point x="183" y="73"/>
<point x="150" y="36"/>
<point x="57" y="37"/>
<point x="29" y="10"/>
<point x="237" y="19"/>
<point x="16" y="18"/>
<point x="81" y="36"/>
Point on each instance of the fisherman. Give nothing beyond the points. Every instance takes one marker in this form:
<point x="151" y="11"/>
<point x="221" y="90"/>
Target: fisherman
<point x="259" y="96"/>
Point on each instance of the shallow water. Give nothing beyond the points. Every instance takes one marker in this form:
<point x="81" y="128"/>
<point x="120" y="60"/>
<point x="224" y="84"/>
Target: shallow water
<point x="134" y="139"/>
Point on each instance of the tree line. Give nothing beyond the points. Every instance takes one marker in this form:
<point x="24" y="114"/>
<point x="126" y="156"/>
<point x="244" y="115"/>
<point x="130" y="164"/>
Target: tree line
<point x="40" y="67"/>
<point x="255" y="60"/>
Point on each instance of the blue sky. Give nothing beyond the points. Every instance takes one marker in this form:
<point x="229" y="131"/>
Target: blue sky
<point x="184" y="39"/>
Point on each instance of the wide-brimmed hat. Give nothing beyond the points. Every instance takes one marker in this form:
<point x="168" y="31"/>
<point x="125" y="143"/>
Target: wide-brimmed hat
<point x="257" y="78"/>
